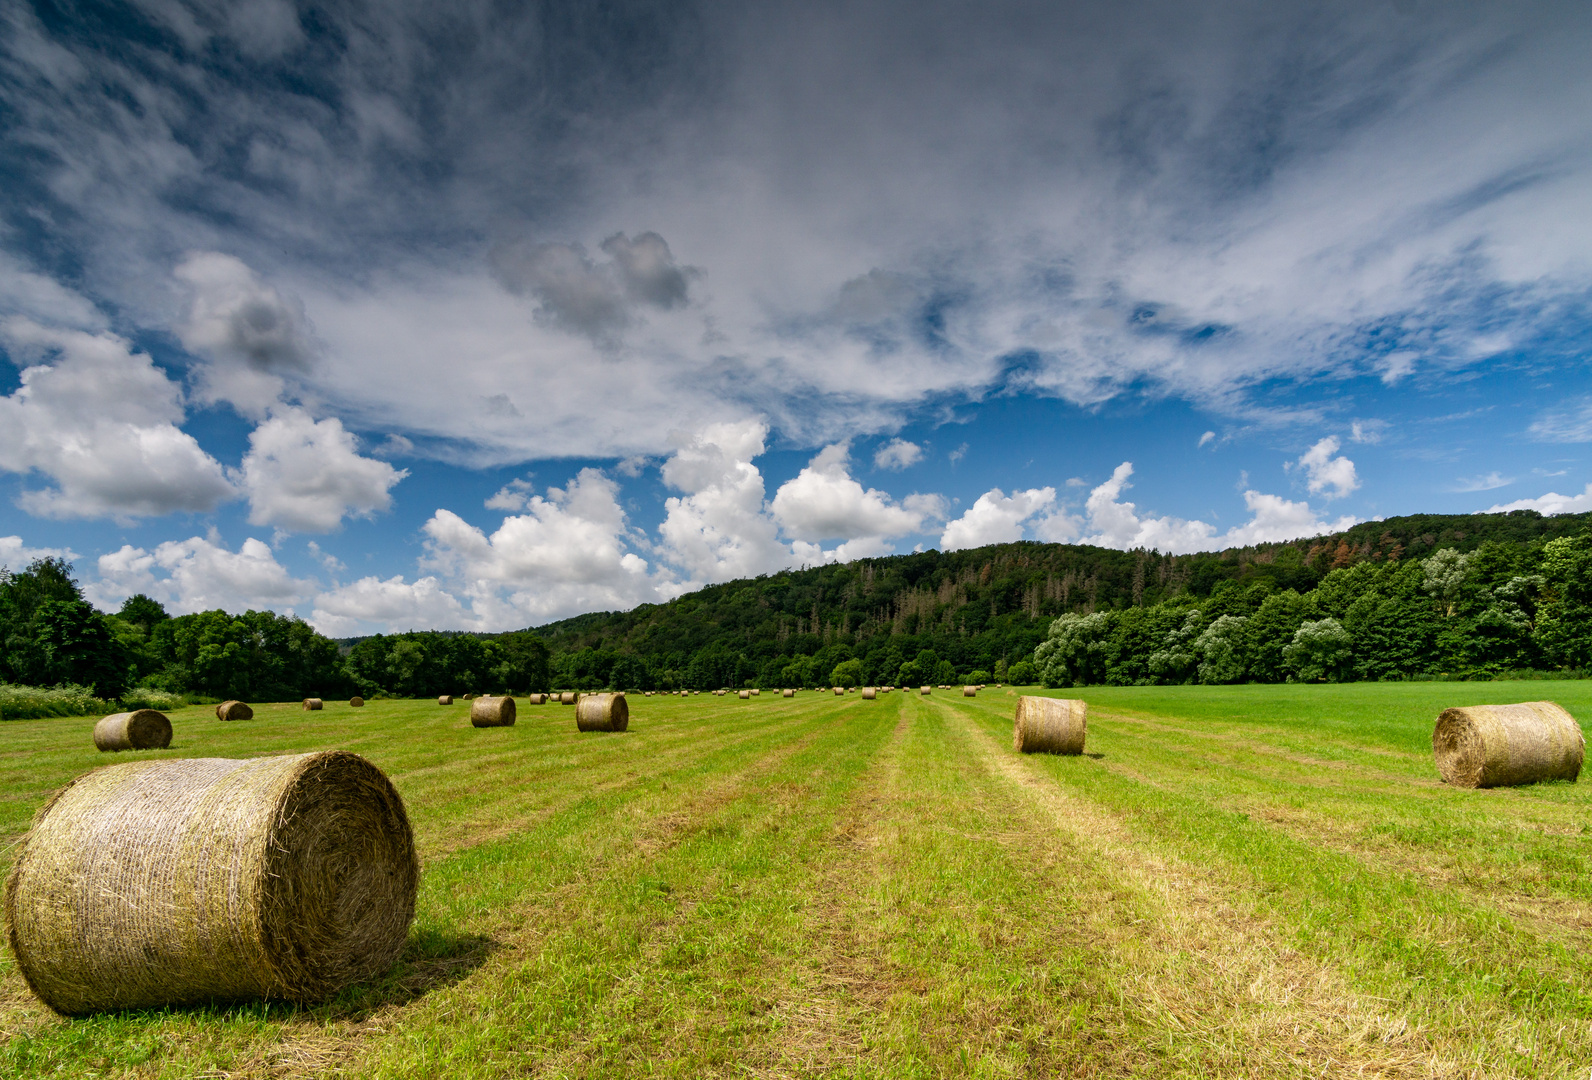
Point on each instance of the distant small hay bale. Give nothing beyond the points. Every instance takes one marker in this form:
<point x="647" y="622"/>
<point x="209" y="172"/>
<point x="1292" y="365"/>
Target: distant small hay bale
<point x="234" y="710"/>
<point x="602" y="712"/>
<point x="744" y="694"/>
<point x="566" y="698"/>
<point x="1049" y="725"/>
<point x="925" y="689"/>
<point x="279" y="877"/>
<point x="444" y="699"/>
<point x="1507" y="745"/>
<point x="141" y="729"/>
<point x="756" y="692"/>
<point x="468" y="697"/>
<point x="787" y="693"/>
<point x="492" y="712"/>
<point x="840" y="691"/>
<point x="356" y="702"/>
<point x="970" y="691"/>
<point x="312" y="704"/>
<point x="536" y="699"/>
<point x="869" y="693"/>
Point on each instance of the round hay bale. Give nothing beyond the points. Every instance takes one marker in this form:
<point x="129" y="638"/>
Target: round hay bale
<point x="1049" y="725"/>
<point x="492" y="712"/>
<point x="1505" y="745"/>
<point x="756" y="692"/>
<point x="602" y="712"/>
<point x="141" y="729"/>
<point x="444" y="699"/>
<point x="161" y="883"/>
<point x="356" y="702"/>
<point x="924" y="690"/>
<point x="869" y="693"/>
<point x="311" y="704"/>
<point x="537" y="699"/>
<point x="234" y="710"/>
<point x="970" y="691"/>
<point x="787" y="693"/>
<point x="744" y="694"/>
<point x="840" y="691"/>
<point x="566" y="698"/>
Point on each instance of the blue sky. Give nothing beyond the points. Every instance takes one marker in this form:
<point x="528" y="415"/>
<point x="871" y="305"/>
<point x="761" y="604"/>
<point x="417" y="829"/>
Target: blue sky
<point x="406" y="315"/>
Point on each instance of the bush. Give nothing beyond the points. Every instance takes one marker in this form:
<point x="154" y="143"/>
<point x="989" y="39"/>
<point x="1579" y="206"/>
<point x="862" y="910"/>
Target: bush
<point x="147" y="697"/>
<point x="1322" y="651"/>
<point x="1023" y="673"/>
<point x="33" y="702"/>
<point x="978" y="675"/>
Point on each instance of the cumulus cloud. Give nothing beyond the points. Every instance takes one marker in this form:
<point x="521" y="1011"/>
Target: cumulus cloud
<point x="824" y="502"/>
<point x="1276" y="518"/>
<point x="897" y="454"/>
<point x="307" y="475"/>
<point x="1551" y="503"/>
<point x="996" y="518"/>
<point x="391" y="605"/>
<point x="512" y="496"/>
<point x="198" y="574"/>
<point x="253" y="336"/>
<point x="720" y="529"/>
<point x="1327" y="471"/>
<point x="14" y="554"/>
<point x="99" y="421"/>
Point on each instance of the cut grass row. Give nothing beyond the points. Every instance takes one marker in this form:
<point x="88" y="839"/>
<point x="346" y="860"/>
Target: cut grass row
<point x="1261" y="881"/>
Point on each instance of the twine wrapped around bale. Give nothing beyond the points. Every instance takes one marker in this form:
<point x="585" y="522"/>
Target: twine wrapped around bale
<point x="312" y="704"/>
<point x="1505" y="745"/>
<point x="141" y="729"/>
<point x="234" y="710"/>
<point x="1049" y="725"/>
<point x="492" y="712"/>
<point x="566" y="698"/>
<point x="970" y="691"/>
<point x="602" y="712"/>
<point x="869" y="693"/>
<point x="160" y="883"/>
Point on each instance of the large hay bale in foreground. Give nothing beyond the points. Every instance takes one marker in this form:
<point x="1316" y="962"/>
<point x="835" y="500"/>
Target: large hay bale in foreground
<point x="312" y="704"/>
<point x="970" y="691"/>
<point x="602" y="712"/>
<point x="1505" y="745"/>
<point x="492" y="712"/>
<point x="566" y="698"/>
<point x="141" y="729"/>
<point x="869" y="693"/>
<point x="234" y="710"/>
<point x="1049" y="725"/>
<point x="356" y="702"/>
<point x="160" y="883"/>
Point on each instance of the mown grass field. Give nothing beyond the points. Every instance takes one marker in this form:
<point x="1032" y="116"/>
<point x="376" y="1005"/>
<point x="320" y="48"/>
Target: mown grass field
<point x="1252" y="881"/>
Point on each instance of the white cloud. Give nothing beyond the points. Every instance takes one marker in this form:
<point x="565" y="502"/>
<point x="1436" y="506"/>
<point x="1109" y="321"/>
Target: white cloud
<point x="34" y="296"/>
<point x="253" y="336"/>
<point x="15" y="555"/>
<point x="720" y="528"/>
<point x="198" y="574"/>
<point x="307" y="475"/>
<point x="1209" y="436"/>
<point x="1565" y="425"/>
<point x="824" y="502"/>
<point x="1551" y="503"/>
<point x="1485" y="482"/>
<point x="512" y="496"/>
<point x="1367" y="431"/>
<point x="897" y="454"/>
<point x="391" y="605"/>
<point x="1333" y="476"/>
<point x="958" y="454"/>
<point x="996" y="518"/>
<point x="100" y="421"/>
<point x="1276" y="518"/>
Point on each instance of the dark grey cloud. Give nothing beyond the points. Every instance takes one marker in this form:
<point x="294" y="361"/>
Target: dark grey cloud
<point x="594" y="298"/>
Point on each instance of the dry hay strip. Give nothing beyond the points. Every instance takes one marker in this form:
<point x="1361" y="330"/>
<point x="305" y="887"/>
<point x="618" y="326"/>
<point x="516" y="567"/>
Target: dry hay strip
<point x="1293" y="1010"/>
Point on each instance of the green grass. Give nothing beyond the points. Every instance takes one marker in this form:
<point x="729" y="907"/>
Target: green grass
<point x="1251" y="881"/>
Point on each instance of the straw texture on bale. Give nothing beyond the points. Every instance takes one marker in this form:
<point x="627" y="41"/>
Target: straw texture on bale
<point x="787" y="693"/>
<point x="141" y="729"/>
<point x="161" y="883"/>
<point x="840" y="691"/>
<point x="1505" y="745"/>
<point x="234" y="710"/>
<point x="538" y="699"/>
<point x="923" y="690"/>
<point x="869" y="693"/>
<point x="566" y="698"/>
<point x="356" y="702"/>
<point x="744" y="694"/>
<point x="970" y="691"/>
<point x="444" y="699"/>
<point x="602" y="712"/>
<point x="1049" y="726"/>
<point x="492" y="712"/>
<point x="312" y="704"/>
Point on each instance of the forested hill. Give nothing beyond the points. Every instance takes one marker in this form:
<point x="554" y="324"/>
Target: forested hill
<point x="978" y="609"/>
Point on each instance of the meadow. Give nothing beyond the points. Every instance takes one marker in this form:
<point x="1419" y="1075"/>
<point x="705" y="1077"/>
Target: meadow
<point x="1248" y="881"/>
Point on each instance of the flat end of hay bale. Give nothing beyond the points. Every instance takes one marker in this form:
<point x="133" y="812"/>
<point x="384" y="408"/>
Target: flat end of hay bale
<point x="234" y="710"/>
<point x="311" y="704"/>
<point x="356" y="703"/>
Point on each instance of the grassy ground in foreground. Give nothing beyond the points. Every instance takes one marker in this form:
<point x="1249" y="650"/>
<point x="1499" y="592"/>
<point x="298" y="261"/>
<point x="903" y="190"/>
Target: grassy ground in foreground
<point x="1249" y="881"/>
